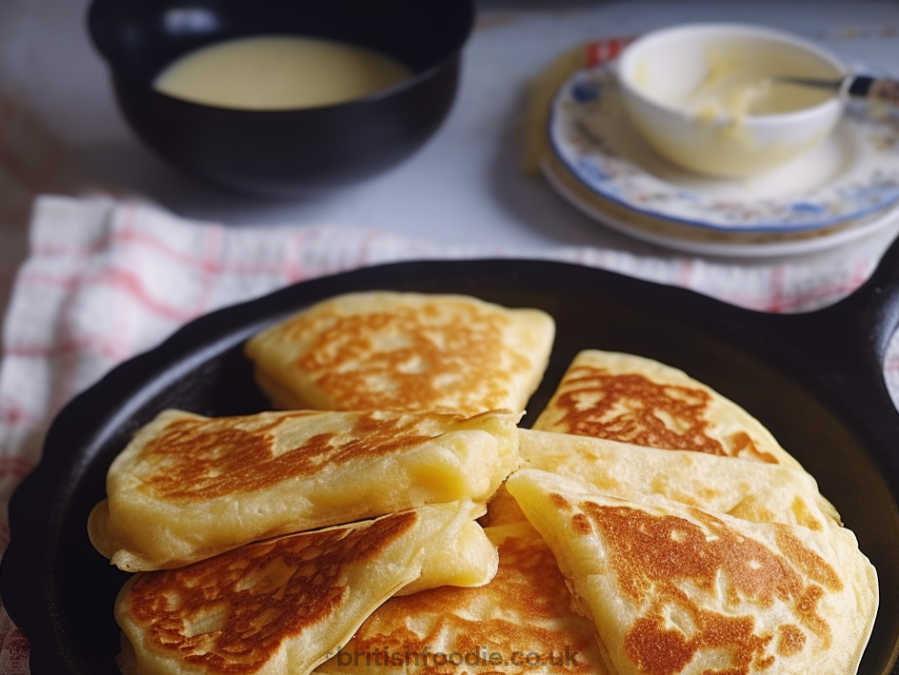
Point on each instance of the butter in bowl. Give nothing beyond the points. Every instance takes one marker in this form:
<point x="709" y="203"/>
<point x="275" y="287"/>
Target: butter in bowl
<point x="708" y="96"/>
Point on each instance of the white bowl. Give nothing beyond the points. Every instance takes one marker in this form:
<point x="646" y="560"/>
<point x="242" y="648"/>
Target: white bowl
<point x="660" y="71"/>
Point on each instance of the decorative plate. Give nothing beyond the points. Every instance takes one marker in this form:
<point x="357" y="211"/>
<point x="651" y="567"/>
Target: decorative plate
<point x="705" y="241"/>
<point x="854" y="173"/>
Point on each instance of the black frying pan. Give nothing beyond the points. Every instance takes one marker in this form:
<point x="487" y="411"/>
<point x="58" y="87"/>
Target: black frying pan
<point x="814" y="379"/>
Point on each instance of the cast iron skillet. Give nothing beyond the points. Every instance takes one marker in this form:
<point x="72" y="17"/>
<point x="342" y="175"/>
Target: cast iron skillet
<point x="814" y="379"/>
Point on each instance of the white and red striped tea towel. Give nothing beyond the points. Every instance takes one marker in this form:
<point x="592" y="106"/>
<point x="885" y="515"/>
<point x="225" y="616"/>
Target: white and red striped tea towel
<point x="106" y="279"/>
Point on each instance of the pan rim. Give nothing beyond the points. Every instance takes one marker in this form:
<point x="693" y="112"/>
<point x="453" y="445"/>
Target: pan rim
<point x="188" y="344"/>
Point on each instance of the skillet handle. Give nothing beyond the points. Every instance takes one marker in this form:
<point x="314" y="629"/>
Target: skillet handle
<point x="873" y="308"/>
<point x="852" y="338"/>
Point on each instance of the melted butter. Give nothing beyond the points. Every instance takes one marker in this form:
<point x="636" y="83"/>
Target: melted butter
<point x="736" y="86"/>
<point x="279" y="72"/>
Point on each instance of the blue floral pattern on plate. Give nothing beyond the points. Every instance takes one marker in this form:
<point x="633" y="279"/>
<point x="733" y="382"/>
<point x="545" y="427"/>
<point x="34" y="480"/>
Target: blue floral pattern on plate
<point x="590" y="133"/>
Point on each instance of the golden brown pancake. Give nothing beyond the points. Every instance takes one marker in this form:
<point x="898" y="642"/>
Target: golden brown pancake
<point x="636" y="400"/>
<point x="524" y="613"/>
<point x="188" y="487"/>
<point x="404" y="351"/>
<point x="754" y="491"/>
<point x="674" y="589"/>
<point x="282" y="606"/>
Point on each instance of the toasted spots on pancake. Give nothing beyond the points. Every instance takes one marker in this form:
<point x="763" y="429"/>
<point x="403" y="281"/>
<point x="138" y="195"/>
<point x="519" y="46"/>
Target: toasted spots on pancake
<point x="761" y="663"/>
<point x="409" y="357"/>
<point x="660" y="651"/>
<point x="631" y="408"/>
<point x="652" y="549"/>
<point x="196" y="459"/>
<point x="525" y="609"/>
<point x="559" y="501"/>
<point x="655" y="555"/>
<point x="229" y="614"/>
<point x="752" y="508"/>
<point x="790" y="640"/>
<point x="803" y="514"/>
<point x="581" y="524"/>
<point x="740" y="445"/>
<point x="655" y="650"/>
<point x="806" y="560"/>
<point x="807" y="608"/>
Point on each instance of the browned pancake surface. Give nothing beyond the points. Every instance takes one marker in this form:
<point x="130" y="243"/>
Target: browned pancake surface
<point x="654" y="556"/>
<point x="528" y="590"/>
<point x="208" y="458"/>
<point x="454" y="350"/>
<point x="229" y="614"/>
<point x="631" y="408"/>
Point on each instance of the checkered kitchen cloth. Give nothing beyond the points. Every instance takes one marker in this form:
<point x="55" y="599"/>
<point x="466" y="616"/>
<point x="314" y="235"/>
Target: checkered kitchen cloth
<point x="107" y="278"/>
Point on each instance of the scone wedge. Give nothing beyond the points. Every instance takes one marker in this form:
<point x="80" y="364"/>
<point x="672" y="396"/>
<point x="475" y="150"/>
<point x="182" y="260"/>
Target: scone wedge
<point x="282" y="606"/>
<point x="742" y="488"/>
<point x="674" y="589"/>
<point x="622" y="397"/>
<point x="189" y="487"/>
<point x="523" y="621"/>
<point x="404" y="351"/>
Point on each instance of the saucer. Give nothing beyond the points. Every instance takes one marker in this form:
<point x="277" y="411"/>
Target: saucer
<point x="706" y="241"/>
<point x="852" y="174"/>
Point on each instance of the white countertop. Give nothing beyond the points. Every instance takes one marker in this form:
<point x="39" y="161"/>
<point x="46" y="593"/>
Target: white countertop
<point x="465" y="184"/>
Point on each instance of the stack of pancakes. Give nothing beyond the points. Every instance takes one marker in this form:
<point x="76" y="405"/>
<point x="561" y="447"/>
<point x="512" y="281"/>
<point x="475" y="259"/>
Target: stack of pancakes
<point x="646" y="524"/>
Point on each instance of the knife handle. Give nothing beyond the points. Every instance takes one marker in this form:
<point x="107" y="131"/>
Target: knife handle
<point x="875" y="88"/>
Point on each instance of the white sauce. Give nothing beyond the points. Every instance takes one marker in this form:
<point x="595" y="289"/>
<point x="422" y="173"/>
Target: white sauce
<point x="279" y="72"/>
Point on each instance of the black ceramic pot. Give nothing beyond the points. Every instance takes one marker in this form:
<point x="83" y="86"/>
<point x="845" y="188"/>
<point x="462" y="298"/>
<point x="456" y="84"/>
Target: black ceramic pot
<point x="283" y="152"/>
